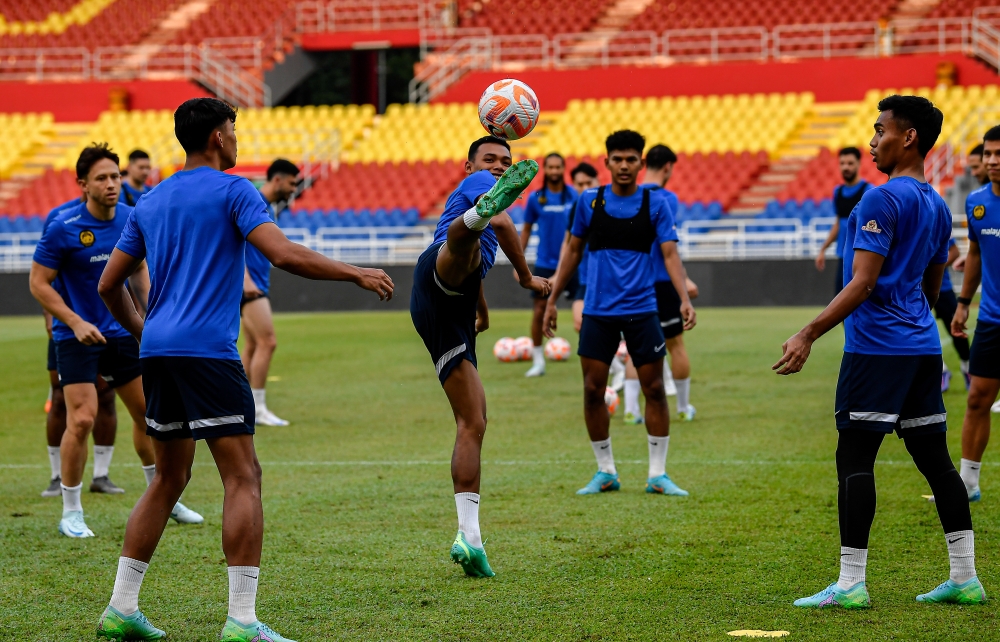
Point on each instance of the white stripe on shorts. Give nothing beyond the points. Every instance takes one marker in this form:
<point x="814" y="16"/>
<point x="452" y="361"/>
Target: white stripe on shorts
<point x="448" y="356"/>
<point x="217" y="421"/>
<point x="924" y="421"/>
<point x="874" y="416"/>
<point x="664" y="324"/>
<point x="444" y="289"/>
<point x="174" y="425"/>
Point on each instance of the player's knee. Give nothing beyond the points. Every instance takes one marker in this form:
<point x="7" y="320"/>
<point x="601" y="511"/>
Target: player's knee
<point x="268" y="342"/>
<point x="80" y="423"/>
<point x="979" y="401"/>
<point x="593" y="392"/>
<point x="655" y="391"/>
<point x="473" y="425"/>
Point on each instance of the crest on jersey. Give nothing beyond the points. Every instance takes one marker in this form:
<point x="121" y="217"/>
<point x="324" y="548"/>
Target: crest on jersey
<point x="86" y="238"/>
<point x="978" y="212"/>
<point x="871" y="226"/>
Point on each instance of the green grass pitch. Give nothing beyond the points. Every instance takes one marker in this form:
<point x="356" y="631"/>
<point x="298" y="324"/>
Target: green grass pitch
<point x="360" y="514"/>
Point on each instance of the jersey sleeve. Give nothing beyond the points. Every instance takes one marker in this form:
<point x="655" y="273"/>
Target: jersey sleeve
<point x="131" y="241"/>
<point x="969" y="206"/>
<point x="876" y="215"/>
<point x="49" y="251"/>
<point x="663" y="218"/>
<point x="248" y="209"/>
<point x="476" y="185"/>
<point x="531" y="210"/>
<point x="582" y="213"/>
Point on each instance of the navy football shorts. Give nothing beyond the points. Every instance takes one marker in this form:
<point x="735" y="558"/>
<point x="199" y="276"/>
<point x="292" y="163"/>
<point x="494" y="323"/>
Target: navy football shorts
<point x="52" y="363"/>
<point x="445" y="318"/>
<point x="117" y="361"/>
<point x="600" y="336"/>
<point x="886" y="393"/>
<point x="668" y="304"/>
<point x="984" y="355"/>
<point x="196" y="398"/>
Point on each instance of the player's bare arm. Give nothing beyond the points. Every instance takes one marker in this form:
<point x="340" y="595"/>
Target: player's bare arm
<point x="139" y="284"/>
<point x="121" y="266"/>
<point x="569" y="260"/>
<point x="301" y="261"/>
<point x="678" y="276"/>
<point x="970" y="283"/>
<point x="867" y="267"/>
<point x="482" y="312"/>
<point x="509" y="242"/>
<point x="931" y="284"/>
<point x="40" y="282"/>
<point x="830" y="238"/>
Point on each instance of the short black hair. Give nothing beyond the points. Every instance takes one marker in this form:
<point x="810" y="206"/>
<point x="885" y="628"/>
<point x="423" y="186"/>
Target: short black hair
<point x="918" y="113"/>
<point x="624" y="139"/>
<point x="584" y="168"/>
<point x="282" y="166"/>
<point x="485" y="140"/>
<point x="89" y="157"/>
<point x="195" y="119"/>
<point x="850" y="151"/>
<point x="992" y="134"/>
<point x="137" y="154"/>
<point x="659" y="156"/>
<point x="554" y="155"/>
<point x="978" y="149"/>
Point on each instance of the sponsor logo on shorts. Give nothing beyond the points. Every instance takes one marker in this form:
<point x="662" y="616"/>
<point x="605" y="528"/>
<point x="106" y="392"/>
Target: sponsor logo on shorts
<point x="86" y="238"/>
<point x="871" y="226"/>
<point x="978" y="212"/>
<point x="97" y="258"/>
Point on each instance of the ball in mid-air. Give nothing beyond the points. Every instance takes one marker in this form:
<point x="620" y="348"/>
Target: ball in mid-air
<point x="523" y="347"/>
<point x="508" y="109"/>
<point x="611" y="400"/>
<point x="557" y="349"/>
<point x="504" y="350"/>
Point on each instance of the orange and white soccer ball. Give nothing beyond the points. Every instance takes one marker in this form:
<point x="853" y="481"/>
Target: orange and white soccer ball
<point x="504" y="350"/>
<point x="522" y="348"/>
<point x="622" y="353"/>
<point x="557" y="349"/>
<point x="508" y="109"/>
<point x="611" y="400"/>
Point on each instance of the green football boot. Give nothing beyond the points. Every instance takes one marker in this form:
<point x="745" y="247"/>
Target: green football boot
<point x="471" y="559"/>
<point x="970" y="592"/>
<point x="255" y="632"/>
<point x="115" y="626"/>
<point x="508" y="187"/>
<point x="833" y="596"/>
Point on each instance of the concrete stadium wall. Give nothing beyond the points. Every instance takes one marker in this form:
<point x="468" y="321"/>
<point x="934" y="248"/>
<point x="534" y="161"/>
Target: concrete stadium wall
<point x="84" y="101"/>
<point x="722" y="284"/>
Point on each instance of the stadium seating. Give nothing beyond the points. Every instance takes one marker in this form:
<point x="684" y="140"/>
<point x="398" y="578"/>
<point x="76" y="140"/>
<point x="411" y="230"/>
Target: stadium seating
<point x="818" y="178"/>
<point x="421" y="133"/>
<point x="232" y="18"/>
<point x="532" y="16"/>
<point x="663" y="15"/>
<point x="19" y="133"/>
<point x="957" y="8"/>
<point x="71" y="23"/>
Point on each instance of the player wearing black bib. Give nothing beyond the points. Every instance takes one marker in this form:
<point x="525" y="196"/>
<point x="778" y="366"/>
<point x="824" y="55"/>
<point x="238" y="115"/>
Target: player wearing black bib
<point x="845" y="198"/>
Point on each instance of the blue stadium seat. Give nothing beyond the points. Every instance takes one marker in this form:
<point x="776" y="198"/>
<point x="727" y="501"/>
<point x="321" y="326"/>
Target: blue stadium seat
<point x="715" y="210"/>
<point x="19" y="224"/>
<point x="412" y="216"/>
<point x="36" y="223"/>
<point x="5" y="224"/>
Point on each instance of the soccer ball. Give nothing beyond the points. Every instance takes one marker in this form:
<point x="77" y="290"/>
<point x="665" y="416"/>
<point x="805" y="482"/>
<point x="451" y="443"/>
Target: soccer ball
<point x="557" y="349"/>
<point x="522" y="348"/>
<point x="508" y="109"/>
<point x="622" y="353"/>
<point x="611" y="400"/>
<point x="503" y="350"/>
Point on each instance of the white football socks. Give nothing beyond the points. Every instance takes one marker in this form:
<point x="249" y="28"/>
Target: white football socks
<point x="683" y="393"/>
<point x="71" y="497"/>
<point x="148" y="472"/>
<point x="632" y="397"/>
<point x="605" y="460"/>
<point x="468" y="517"/>
<point x="55" y="462"/>
<point x="102" y="460"/>
<point x="970" y="473"/>
<point x="125" y="597"/>
<point x="243" y="593"/>
<point x="852" y="566"/>
<point x="538" y="356"/>
<point x="961" y="555"/>
<point x="657" y="455"/>
<point x="474" y="221"/>
<point x="259" y="398"/>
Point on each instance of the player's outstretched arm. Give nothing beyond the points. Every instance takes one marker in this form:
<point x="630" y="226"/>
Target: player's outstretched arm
<point x="301" y="261"/>
<point x="569" y="259"/>
<point x="116" y="296"/>
<point x="970" y="283"/>
<point x="510" y="243"/>
<point x="678" y="276"/>
<point x="40" y="282"/>
<point x="830" y="238"/>
<point x="867" y="266"/>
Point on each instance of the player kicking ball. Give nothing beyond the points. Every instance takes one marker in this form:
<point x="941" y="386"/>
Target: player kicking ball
<point x="890" y="377"/>
<point x="619" y="223"/>
<point x="448" y="311"/>
<point x="192" y="229"/>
